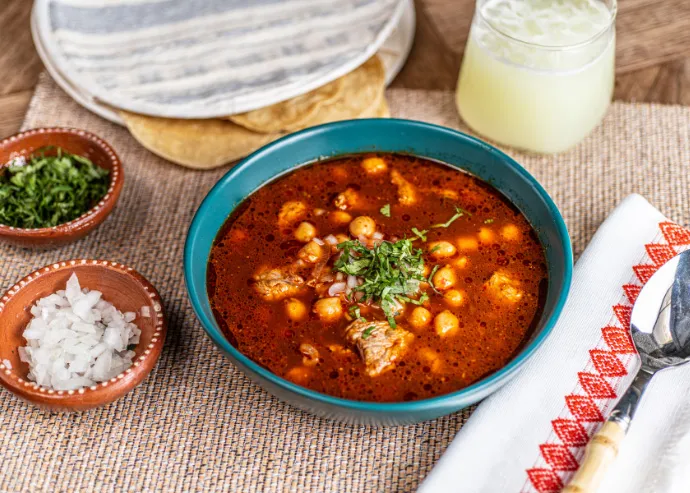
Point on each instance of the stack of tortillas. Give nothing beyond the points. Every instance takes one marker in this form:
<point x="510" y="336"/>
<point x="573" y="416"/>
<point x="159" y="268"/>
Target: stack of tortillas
<point x="208" y="143"/>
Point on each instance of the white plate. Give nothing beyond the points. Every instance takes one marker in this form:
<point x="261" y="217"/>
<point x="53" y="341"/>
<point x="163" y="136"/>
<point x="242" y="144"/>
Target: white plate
<point x="79" y="95"/>
<point x="397" y="47"/>
<point x="393" y="53"/>
<point x="210" y="58"/>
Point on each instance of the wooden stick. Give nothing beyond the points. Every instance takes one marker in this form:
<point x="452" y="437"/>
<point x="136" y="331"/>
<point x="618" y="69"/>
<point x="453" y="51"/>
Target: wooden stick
<point x="599" y="454"/>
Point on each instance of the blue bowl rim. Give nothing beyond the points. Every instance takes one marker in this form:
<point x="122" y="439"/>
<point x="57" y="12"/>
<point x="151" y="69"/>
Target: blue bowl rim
<point x="466" y="393"/>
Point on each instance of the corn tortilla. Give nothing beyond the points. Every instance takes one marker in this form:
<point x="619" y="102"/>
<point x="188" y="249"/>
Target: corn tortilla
<point x="199" y="144"/>
<point x="358" y="91"/>
<point x="207" y="144"/>
<point x="289" y="115"/>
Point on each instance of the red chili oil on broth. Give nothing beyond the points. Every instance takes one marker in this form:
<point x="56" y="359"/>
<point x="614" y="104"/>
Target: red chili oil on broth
<point x="267" y="301"/>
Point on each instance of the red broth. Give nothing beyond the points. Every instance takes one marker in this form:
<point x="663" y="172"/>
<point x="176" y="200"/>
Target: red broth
<point x="495" y="264"/>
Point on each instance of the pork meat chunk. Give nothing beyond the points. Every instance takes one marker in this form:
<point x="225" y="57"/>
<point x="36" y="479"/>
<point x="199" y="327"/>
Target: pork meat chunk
<point x="504" y="288"/>
<point x="379" y="347"/>
<point x="348" y="199"/>
<point x="291" y="212"/>
<point x="276" y="284"/>
<point x="407" y="193"/>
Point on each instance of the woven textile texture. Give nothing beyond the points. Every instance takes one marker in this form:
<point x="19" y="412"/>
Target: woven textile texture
<point x="197" y="423"/>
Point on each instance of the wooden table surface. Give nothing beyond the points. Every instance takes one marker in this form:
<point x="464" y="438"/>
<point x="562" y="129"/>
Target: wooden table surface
<point x="653" y="52"/>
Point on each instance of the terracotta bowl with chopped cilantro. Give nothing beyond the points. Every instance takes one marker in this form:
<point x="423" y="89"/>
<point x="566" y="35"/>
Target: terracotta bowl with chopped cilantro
<point x="56" y="186"/>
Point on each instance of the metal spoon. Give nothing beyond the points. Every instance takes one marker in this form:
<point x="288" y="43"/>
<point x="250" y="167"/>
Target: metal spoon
<point x="660" y="329"/>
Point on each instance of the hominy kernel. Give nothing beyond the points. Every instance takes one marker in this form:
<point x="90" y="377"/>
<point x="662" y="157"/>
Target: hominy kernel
<point x="446" y="323"/>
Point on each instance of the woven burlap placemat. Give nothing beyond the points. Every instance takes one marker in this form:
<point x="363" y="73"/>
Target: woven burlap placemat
<point x="197" y="423"/>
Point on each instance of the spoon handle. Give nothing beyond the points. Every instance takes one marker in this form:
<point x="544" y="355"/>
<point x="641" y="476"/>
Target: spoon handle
<point x="599" y="455"/>
<point x="602" y="448"/>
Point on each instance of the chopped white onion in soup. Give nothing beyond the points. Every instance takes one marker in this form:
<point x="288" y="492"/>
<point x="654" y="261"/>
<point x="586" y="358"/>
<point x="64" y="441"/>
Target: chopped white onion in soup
<point x="331" y="240"/>
<point x="337" y="288"/>
<point x="377" y="235"/>
<point x="318" y="241"/>
<point x="399" y="307"/>
<point x="76" y="339"/>
<point x="351" y="281"/>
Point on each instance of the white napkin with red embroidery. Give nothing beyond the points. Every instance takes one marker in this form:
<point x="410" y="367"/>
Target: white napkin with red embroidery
<point x="530" y="435"/>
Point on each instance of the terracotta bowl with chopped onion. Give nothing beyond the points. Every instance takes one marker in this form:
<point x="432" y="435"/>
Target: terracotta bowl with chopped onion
<point x="74" y="141"/>
<point x="124" y="288"/>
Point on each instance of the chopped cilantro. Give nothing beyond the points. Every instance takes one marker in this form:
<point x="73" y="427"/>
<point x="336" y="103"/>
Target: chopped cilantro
<point x="367" y="332"/>
<point x="355" y="313"/>
<point x="459" y="212"/>
<point x="420" y="234"/>
<point x="46" y="190"/>
<point x="391" y="272"/>
<point x="386" y="210"/>
<point x="488" y="221"/>
<point x="424" y="297"/>
<point x="430" y="281"/>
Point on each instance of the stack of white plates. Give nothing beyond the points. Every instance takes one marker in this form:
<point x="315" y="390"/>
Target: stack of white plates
<point x="212" y="58"/>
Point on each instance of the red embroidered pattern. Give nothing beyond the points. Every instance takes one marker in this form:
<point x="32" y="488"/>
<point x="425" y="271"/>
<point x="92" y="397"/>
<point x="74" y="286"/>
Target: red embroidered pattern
<point x="570" y="431"/>
<point x="595" y="386"/>
<point x="610" y="362"/>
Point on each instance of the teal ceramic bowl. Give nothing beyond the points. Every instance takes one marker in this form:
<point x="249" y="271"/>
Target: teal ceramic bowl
<point x="383" y="135"/>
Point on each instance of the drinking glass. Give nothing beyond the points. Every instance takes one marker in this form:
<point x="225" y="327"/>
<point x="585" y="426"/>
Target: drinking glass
<point x="538" y="74"/>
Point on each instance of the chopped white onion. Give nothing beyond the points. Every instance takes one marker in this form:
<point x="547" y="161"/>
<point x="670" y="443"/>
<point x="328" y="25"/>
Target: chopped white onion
<point x="331" y="240"/>
<point x="337" y="288"/>
<point x="146" y="311"/>
<point x="377" y="235"/>
<point x="77" y="339"/>
<point x="23" y="355"/>
<point x="7" y="364"/>
<point x="351" y="281"/>
<point x="399" y="307"/>
<point x="318" y="241"/>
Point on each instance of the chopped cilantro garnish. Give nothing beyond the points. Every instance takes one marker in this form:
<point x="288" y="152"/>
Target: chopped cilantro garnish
<point x="420" y="234"/>
<point x="430" y="281"/>
<point x="488" y="221"/>
<point x="367" y="332"/>
<point x="355" y="313"/>
<point x="459" y="212"/>
<point x="391" y="272"/>
<point x="46" y="190"/>
<point x="386" y="210"/>
<point x="424" y="297"/>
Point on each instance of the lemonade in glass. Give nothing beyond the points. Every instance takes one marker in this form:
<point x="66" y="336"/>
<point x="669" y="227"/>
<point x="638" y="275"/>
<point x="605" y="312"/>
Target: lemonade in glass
<point x="538" y="74"/>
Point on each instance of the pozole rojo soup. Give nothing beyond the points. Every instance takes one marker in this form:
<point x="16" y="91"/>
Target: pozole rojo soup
<point x="377" y="277"/>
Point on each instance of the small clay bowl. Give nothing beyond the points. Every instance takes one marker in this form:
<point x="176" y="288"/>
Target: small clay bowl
<point x="125" y="288"/>
<point x="77" y="142"/>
